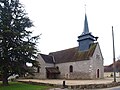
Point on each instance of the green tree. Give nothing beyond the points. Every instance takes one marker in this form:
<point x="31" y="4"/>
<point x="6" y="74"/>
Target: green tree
<point x="17" y="45"/>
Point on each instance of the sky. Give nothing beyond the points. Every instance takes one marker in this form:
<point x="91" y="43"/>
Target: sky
<point x="61" y="22"/>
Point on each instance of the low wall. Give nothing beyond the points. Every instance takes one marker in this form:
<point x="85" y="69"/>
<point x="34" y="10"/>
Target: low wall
<point x="94" y="86"/>
<point x="77" y="87"/>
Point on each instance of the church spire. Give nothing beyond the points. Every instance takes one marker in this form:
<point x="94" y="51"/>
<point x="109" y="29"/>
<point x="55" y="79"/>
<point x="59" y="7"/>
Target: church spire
<point x="86" y="28"/>
<point x="86" y="38"/>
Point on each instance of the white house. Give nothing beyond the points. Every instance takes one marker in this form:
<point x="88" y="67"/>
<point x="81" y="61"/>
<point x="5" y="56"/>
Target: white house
<point x="82" y="62"/>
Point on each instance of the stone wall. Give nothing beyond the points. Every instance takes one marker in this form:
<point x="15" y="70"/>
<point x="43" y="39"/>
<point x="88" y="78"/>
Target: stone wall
<point x="43" y="65"/>
<point x="79" y="75"/>
<point x="80" y="70"/>
<point x="97" y="63"/>
<point x="78" y="87"/>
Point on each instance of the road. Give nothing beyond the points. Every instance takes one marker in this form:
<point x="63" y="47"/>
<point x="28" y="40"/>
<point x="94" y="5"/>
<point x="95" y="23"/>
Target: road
<point x="113" y="88"/>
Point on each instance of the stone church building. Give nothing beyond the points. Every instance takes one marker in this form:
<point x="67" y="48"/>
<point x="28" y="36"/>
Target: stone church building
<point x="82" y="62"/>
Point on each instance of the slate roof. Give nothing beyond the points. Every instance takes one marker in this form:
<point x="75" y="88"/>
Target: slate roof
<point x="86" y="28"/>
<point x="69" y="55"/>
<point x="47" y="58"/>
<point x="108" y="69"/>
<point x="73" y="54"/>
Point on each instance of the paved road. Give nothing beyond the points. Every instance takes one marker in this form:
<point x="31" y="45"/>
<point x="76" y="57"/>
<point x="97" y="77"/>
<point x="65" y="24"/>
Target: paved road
<point x="118" y="88"/>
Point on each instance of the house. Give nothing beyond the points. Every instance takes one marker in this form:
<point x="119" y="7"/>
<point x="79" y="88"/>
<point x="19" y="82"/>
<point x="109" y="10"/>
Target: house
<point x="108" y="70"/>
<point x="82" y="62"/>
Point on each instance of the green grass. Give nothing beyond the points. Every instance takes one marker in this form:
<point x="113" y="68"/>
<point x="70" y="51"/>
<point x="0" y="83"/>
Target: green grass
<point x="23" y="86"/>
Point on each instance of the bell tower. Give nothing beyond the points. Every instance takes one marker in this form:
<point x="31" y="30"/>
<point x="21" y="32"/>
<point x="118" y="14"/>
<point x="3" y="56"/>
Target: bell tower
<point x="86" y="38"/>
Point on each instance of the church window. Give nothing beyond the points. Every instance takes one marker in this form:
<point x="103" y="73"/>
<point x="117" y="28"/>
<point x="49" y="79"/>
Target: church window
<point x="38" y="69"/>
<point x="71" y="68"/>
<point x="57" y="67"/>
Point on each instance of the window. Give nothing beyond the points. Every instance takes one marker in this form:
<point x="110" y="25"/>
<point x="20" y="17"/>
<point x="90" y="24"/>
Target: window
<point x="57" y="67"/>
<point x="38" y="69"/>
<point x="71" y="68"/>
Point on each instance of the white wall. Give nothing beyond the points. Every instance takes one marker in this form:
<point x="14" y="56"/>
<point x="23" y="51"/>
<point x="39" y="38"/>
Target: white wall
<point x="43" y="65"/>
<point x="79" y="66"/>
<point x="97" y="61"/>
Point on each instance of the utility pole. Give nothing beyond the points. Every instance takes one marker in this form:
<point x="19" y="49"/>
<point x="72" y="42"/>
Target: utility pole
<point x="114" y="65"/>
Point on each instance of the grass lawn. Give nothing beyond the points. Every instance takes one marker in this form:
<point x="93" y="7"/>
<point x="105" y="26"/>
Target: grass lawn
<point x="22" y="86"/>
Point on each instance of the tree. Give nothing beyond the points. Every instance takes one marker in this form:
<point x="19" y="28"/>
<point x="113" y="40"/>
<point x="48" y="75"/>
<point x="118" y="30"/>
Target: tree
<point x="17" y="45"/>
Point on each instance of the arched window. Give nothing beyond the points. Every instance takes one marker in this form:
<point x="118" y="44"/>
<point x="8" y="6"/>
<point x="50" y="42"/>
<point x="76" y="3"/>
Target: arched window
<point x="57" y="67"/>
<point x="38" y="69"/>
<point x="71" y="68"/>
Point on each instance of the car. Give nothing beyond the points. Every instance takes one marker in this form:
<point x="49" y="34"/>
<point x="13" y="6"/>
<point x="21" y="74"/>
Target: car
<point x="13" y="77"/>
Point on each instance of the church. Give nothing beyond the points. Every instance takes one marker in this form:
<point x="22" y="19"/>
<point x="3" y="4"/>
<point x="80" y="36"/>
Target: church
<point x="82" y="62"/>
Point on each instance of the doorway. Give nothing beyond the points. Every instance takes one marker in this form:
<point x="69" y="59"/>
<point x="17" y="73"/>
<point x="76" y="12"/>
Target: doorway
<point x="98" y="73"/>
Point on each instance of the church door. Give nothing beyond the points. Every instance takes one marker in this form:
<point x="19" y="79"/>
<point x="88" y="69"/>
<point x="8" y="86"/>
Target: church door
<point x="98" y="72"/>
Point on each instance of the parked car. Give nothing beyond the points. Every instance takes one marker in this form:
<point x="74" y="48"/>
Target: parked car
<point x="13" y="77"/>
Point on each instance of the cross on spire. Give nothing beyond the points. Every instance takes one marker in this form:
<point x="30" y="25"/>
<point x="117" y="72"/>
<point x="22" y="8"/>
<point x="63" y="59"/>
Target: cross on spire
<point x="85" y="8"/>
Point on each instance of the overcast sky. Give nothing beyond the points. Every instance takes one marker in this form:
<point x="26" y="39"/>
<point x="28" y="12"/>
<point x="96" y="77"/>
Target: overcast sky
<point x="61" y="22"/>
